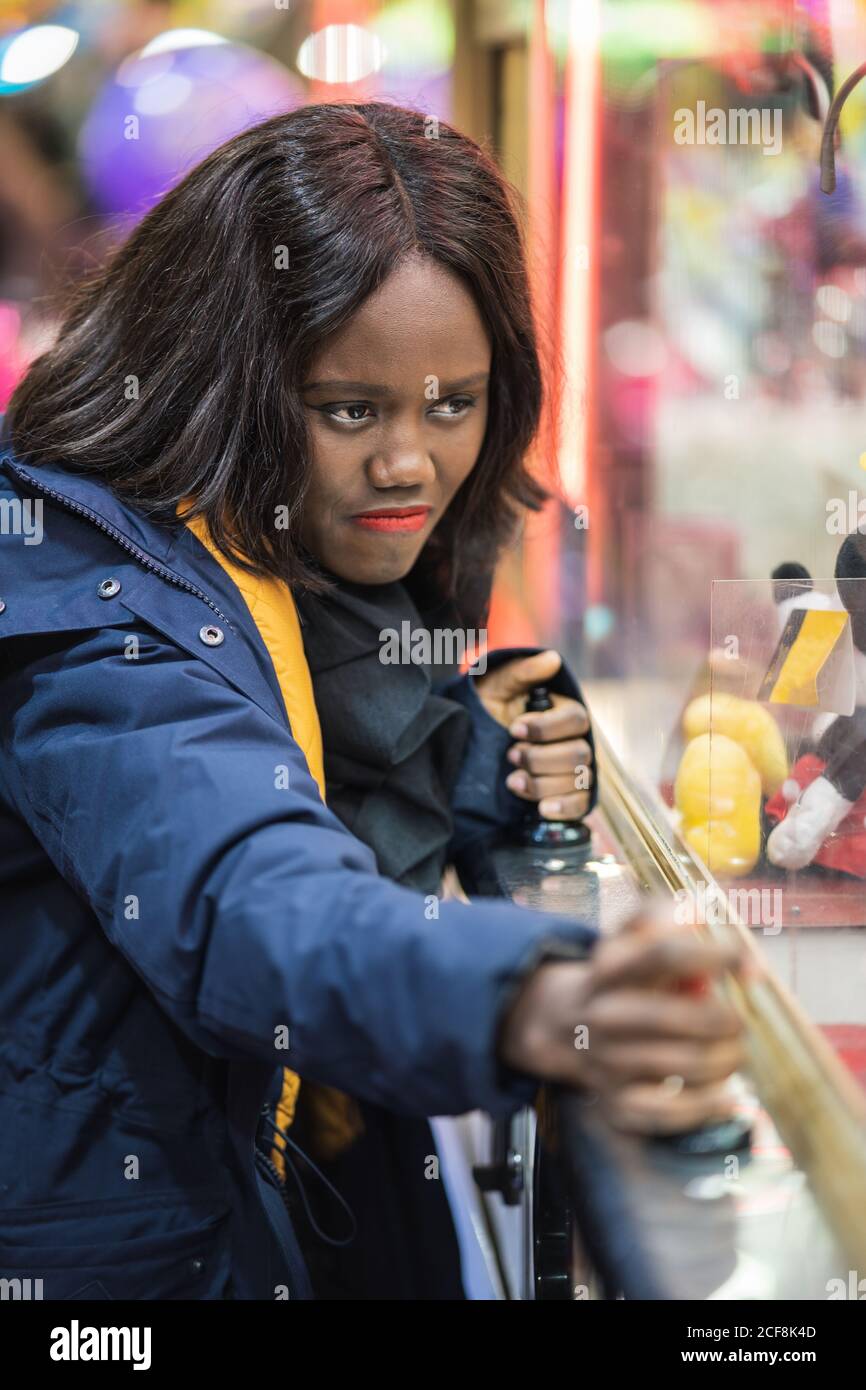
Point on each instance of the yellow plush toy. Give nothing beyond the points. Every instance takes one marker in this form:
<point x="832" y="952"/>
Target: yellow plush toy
<point x="718" y="793"/>
<point x="747" y="723"/>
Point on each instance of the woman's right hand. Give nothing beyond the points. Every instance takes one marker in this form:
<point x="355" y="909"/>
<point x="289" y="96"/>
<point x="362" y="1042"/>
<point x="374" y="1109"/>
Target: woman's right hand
<point x="629" y="1026"/>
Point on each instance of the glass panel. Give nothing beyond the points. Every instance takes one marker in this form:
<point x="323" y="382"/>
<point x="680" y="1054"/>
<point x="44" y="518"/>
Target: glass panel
<point x="770" y="790"/>
<point x="708" y="310"/>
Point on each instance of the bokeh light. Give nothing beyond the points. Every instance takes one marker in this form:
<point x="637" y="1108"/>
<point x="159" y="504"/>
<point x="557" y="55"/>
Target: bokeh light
<point x="635" y="348"/>
<point x="834" y="302"/>
<point x="341" y="53"/>
<point x="168" y="107"/>
<point x="33" y="54"/>
<point x="830" y="338"/>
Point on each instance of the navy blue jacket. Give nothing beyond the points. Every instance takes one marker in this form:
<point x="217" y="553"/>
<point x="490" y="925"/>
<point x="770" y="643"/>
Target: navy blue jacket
<point x="169" y="908"/>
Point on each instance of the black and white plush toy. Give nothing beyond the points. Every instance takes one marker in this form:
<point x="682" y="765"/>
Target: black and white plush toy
<point x="825" y="787"/>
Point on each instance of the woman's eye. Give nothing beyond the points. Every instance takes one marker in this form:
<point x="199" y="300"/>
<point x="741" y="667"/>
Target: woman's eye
<point x="355" y="412"/>
<point x="352" y="411"/>
<point x="454" y="405"/>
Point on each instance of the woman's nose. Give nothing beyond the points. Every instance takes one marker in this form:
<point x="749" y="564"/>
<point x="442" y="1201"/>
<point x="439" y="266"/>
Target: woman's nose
<point x="401" y="462"/>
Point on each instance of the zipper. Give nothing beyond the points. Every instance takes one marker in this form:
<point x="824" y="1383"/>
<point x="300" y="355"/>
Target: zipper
<point x="262" y="1158"/>
<point x="269" y="1167"/>
<point x="147" y="561"/>
<point x="283" y="1230"/>
<point x="263" y="1148"/>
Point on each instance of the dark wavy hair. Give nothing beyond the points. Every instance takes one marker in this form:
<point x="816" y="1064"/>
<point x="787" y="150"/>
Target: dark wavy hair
<point x="196" y="305"/>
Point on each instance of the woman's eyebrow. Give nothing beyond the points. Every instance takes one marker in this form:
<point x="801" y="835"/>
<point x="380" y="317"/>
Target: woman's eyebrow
<point x="476" y="379"/>
<point x="370" y="388"/>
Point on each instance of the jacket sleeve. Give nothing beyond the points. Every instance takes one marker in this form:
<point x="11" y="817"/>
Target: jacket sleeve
<point x="188" y="820"/>
<point x="481" y="803"/>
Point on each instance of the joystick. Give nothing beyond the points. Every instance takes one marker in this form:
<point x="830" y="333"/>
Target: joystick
<point x="534" y="829"/>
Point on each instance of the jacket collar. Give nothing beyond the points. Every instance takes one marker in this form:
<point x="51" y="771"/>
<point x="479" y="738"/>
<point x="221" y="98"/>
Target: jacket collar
<point x="176" y="552"/>
<point x="90" y="493"/>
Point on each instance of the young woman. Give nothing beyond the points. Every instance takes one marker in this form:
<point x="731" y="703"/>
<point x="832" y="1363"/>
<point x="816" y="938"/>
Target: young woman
<point x="290" y="415"/>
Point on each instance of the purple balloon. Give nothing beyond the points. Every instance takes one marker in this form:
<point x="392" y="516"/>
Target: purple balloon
<point x="161" y="114"/>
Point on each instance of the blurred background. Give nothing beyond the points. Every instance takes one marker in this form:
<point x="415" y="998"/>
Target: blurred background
<point x="702" y="304"/>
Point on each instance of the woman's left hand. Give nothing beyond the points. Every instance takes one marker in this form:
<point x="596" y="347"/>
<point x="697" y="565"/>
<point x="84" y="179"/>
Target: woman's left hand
<point x="552" y="761"/>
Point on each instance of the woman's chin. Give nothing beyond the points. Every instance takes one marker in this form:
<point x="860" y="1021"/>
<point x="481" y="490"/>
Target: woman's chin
<point x="390" y="565"/>
<point x="370" y="574"/>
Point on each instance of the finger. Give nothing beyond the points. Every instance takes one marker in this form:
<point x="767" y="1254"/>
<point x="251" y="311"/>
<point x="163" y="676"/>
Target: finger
<point x="644" y="1109"/>
<point x="574" y="806"/>
<point x="594" y="1030"/>
<point x="656" y="917"/>
<point x="663" y="955"/>
<point x="652" y="1015"/>
<point x="567" y="719"/>
<point x="551" y="757"/>
<point x="518" y="677"/>
<point x="699" y="1064"/>
<point x="555" y="796"/>
<point x="530" y="788"/>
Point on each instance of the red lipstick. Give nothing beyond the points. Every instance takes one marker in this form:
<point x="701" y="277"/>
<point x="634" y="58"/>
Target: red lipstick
<point x="398" y="520"/>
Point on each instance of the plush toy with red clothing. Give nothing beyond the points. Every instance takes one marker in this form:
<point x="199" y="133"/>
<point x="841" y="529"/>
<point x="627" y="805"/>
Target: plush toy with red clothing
<point x="819" y="813"/>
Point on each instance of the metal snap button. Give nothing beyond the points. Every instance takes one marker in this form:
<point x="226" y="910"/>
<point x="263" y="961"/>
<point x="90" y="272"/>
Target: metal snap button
<point x="212" y="636"/>
<point x="109" y="588"/>
<point x="2" y="606"/>
<point x="197" y="1266"/>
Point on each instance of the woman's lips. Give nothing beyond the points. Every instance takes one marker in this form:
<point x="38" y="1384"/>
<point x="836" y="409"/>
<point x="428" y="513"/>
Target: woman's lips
<point x="394" y="519"/>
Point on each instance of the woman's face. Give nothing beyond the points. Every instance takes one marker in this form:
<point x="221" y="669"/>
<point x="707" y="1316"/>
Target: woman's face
<point x="397" y="404"/>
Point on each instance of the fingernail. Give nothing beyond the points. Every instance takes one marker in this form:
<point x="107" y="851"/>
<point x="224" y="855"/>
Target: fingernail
<point x="550" y="808"/>
<point x="519" y="730"/>
<point x="516" y="781"/>
<point x="513" y="756"/>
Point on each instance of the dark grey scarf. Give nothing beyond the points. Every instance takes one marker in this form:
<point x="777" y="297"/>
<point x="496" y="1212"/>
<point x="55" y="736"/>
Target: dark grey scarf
<point x="392" y="747"/>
